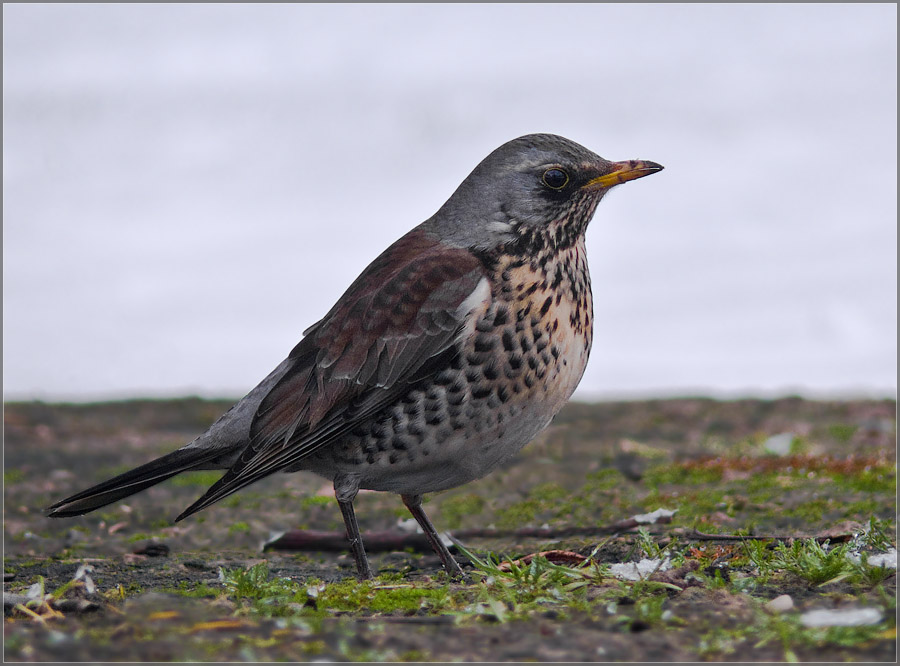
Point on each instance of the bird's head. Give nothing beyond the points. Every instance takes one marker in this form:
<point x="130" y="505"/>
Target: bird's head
<point x="531" y="187"/>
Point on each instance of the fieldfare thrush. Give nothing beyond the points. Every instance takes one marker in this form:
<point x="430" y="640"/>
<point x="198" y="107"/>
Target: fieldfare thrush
<point x="448" y="354"/>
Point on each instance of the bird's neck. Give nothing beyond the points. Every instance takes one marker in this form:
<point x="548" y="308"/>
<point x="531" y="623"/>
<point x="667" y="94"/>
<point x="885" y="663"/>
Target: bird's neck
<point x="554" y="268"/>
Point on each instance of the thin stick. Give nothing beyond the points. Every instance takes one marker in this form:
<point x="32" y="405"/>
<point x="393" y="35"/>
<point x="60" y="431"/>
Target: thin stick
<point x="379" y="542"/>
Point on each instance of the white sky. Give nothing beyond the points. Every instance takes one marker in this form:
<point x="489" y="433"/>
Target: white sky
<point x="188" y="187"/>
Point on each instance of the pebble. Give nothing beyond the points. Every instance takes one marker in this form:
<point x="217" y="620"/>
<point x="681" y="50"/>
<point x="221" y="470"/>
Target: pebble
<point x="652" y="517"/>
<point x="780" y="604"/>
<point x="849" y="617"/>
<point x="779" y="444"/>
<point x="639" y="570"/>
<point x="888" y="559"/>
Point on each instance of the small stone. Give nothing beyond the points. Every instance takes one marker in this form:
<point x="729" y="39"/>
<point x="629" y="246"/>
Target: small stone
<point x="887" y="560"/>
<point x="408" y="526"/>
<point x="653" y="516"/>
<point x="153" y="550"/>
<point x="54" y="637"/>
<point x="637" y="626"/>
<point x="76" y="606"/>
<point x="780" y="444"/>
<point x="849" y="617"/>
<point x="639" y="570"/>
<point x="780" y="604"/>
<point x="196" y="564"/>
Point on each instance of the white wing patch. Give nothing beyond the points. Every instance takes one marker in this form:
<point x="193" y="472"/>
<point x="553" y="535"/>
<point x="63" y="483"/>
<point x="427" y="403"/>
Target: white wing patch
<point x="479" y="296"/>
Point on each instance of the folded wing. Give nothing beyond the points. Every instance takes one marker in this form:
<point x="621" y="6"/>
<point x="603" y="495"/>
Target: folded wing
<point x="397" y="324"/>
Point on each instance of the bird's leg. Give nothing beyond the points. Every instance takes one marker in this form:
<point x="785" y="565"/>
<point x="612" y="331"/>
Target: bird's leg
<point x="356" y="544"/>
<point x="414" y="504"/>
<point x="345" y="490"/>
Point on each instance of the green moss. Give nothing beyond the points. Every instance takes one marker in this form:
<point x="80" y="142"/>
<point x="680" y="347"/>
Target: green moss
<point x="548" y="493"/>
<point x="810" y="561"/>
<point x="879" y="534"/>
<point x="811" y="510"/>
<point x="243" y="500"/>
<point x="842" y="432"/>
<point x="702" y="502"/>
<point x="238" y="527"/>
<point x="863" y="508"/>
<point x="761" y="486"/>
<point x="783" y="630"/>
<point x="454" y="509"/>
<point x="11" y="476"/>
<point x="518" y="514"/>
<point x="279" y="597"/>
<point x="406" y="599"/>
<point x="604" y="479"/>
<point x="846" y="636"/>
<point x="129" y="589"/>
<point x="880" y="479"/>
<point x="681" y="474"/>
<point x="413" y="656"/>
<point x="140" y="536"/>
<point x="799" y="446"/>
<point x="16" y="565"/>
<point x="193" y="590"/>
<point x="202" y="479"/>
<point x="316" y="500"/>
<point x="549" y="501"/>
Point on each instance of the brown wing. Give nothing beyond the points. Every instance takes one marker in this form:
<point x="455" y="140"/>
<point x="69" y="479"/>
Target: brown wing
<point x="390" y="328"/>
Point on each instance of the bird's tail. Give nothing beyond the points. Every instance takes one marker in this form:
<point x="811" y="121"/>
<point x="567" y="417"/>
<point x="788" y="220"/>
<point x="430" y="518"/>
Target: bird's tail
<point x="132" y="482"/>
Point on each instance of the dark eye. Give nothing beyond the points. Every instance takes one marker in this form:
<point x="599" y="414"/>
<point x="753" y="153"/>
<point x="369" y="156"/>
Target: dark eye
<point x="555" y="178"/>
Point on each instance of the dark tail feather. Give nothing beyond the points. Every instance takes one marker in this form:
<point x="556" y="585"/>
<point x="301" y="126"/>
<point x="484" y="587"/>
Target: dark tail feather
<point x="221" y="489"/>
<point x="131" y="482"/>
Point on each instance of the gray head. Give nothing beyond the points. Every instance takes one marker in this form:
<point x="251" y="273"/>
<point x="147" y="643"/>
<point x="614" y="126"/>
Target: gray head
<point x="528" y="186"/>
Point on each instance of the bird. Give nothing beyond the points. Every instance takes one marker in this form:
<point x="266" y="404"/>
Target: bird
<point x="451" y="351"/>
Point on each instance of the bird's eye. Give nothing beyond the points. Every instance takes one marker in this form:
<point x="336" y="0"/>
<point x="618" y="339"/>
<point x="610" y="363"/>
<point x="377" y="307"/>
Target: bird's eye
<point x="555" y="178"/>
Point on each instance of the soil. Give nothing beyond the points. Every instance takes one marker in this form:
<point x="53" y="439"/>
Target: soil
<point x="160" y="595"/>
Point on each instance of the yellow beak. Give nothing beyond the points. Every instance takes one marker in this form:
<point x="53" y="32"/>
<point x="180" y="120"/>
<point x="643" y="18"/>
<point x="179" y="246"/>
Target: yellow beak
<point x="622" y="172"/>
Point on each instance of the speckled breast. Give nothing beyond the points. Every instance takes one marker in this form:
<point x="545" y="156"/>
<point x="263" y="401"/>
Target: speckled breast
<point x="525" y="352"/>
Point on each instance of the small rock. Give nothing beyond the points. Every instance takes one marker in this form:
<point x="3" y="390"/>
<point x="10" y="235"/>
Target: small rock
<point x="76" y="606"/>
<point x="84" y="574"/>
<point x="887" y="560"/>
<point x="654" y="516"/>
<point x="631" y="465"/>
<point x="153" y="550"/>
<point x="638" y="626"/>
<point x="196" y="564"/>
<point x="54" y="637"/>
<point x="639" y="570"/>
<point x="848" y="617"/>
<point x="779" y="444"/>
<point x="408" y="526"/>
<point x="11" y="600"/>
<point x="780" y="604"/>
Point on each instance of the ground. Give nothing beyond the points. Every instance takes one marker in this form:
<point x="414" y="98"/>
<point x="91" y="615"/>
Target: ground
<point x="205" y="589"/>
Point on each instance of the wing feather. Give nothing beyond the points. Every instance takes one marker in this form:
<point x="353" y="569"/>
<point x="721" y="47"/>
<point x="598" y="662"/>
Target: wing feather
<point x="398" y="323"/>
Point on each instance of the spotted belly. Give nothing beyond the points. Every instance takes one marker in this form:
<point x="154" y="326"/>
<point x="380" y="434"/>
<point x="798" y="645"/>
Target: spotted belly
<point x="519" y="361"/>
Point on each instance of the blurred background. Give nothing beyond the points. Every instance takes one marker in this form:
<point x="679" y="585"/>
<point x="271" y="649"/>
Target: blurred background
<point x="187" y="187"/>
